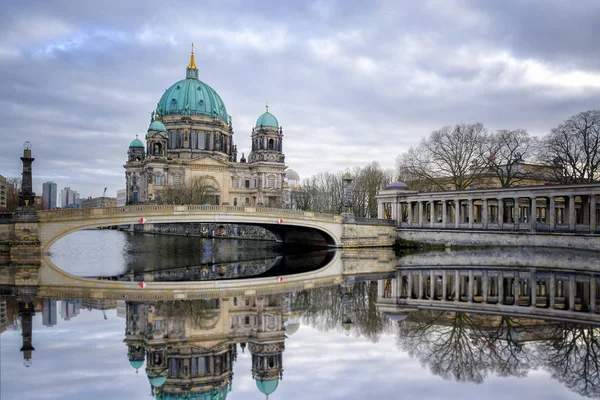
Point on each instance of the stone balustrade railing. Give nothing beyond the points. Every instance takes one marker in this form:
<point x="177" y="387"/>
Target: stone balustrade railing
<point x="49" y="215"/>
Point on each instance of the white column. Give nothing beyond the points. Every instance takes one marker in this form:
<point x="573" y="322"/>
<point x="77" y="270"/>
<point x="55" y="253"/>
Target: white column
<point x="572" y="292"/>
<point x="444" y="285"/>
<point x="532" y="214"/>
<point x="420" y="285"/>
<point x="593" y="221"/>
<point x="444" y="213"/>
<point x="485" y="214"/>
<point x="593" y="288"/>
<point x="410" y="212"/>
<point x="456" y="285"/>
<point x="431" y="286"/>
<point x="471" y="283"/>
<point x="552" y="290"/>
<point x="484" y="285"/>
<point x="516" y="211"/>
<point x="456" y="213"/>
<point x="533" y="288"/>
<point x="420" y="213"/>
<point x="471" y="213"/>
<point x="500" y="288"/>
<point x="552" y="213"/>
<point x="432" y="217"/>
<point x="409" y="289"/>
<point x="500" y="213"/>
<point x="572" y="215"/>
<point x="516" y="289"/>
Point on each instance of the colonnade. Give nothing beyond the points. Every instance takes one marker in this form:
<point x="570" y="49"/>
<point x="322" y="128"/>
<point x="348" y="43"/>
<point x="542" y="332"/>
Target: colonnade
<point x="531" y="288"/>
<point x="535" y="208"/>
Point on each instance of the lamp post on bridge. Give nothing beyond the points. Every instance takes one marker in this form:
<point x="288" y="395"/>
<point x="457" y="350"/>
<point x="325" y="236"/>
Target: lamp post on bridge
<point x="348" y="213"/>
<point x="26" y="194"/>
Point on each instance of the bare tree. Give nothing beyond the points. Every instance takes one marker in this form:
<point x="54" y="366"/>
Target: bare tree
<point x="199" y="190"/>
<point x="450" y="156"/>
<point x="504" y="153"/>
<point x="13" y="185"/>
<point x="573" y="148"/>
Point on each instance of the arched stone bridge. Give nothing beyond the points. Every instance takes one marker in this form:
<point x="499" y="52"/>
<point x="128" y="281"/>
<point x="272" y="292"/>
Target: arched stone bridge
<point x="288" y="226"/>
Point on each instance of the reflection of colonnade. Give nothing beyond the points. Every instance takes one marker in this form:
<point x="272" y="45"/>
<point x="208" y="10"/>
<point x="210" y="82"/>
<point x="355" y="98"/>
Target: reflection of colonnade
<point x="190" y="346"/>
<point x="538" y="292"/>
<point x="534" y="208"/>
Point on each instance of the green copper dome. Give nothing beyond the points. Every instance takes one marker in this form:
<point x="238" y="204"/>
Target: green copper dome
<point x="267" y="387"/>
<point x="136" y="143"/>
<point x="158" y="381"/>
<point x="191" y="96"/>
<point x="156" y="125"/>
<point x="136" y="364"/>
<point x="215" y="394"/>
<point x="267" y="119"/>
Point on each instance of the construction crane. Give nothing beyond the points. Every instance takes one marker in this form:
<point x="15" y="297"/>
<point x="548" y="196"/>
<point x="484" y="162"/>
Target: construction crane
<point x="103" y="197"/>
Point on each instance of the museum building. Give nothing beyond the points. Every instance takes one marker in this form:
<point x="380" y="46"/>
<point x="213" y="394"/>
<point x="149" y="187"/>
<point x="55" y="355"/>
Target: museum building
<point x="190" y="139"/>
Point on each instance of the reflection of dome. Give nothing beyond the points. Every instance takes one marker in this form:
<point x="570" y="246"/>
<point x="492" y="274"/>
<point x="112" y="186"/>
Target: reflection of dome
<point x="137" y="364"/>
<point x="267" y="119"/>
<point x="396" y="186"/>
<point x="157" y="381"/>
<point x="156" y="125"/>
<point x="291" y="175"/>
<point x="396" y="316"/>
<point x="215" y="394"/>
<point x="290" y="329"/>
<point x="267" y="387"/>
<point x="136" y="143"/>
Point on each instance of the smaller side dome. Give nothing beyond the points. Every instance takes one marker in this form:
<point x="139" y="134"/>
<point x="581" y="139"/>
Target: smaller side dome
<point x="156" y="125"/>
<point x="267" y="119"/>
<point x="396" y="186"/>
<point x="292" y="175"/>
<point x="136" y="143"/>
<point x="136" y="364"/>
<point x="267" y="387"/>
<point x="157" y="381"/>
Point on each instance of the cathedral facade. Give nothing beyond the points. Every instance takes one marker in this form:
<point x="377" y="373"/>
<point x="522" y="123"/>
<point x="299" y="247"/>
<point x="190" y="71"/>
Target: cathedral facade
<point x="190" y="140"/>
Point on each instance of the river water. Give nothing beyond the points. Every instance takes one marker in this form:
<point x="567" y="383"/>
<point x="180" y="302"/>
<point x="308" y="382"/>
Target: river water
<point x="323" y="343"/>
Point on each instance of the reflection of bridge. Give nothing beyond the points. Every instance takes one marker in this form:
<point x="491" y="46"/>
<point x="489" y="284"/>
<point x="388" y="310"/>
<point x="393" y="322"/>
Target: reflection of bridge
<point x="535" y="293"/>
<point x="288" y="226"/>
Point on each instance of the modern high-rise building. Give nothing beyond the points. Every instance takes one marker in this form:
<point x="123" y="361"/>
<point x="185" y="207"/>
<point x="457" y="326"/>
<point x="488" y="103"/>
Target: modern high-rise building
<point x="121" y="197"/>
<point x="49" y="195"/>
<point x="69" y="309"/>
<point x="3" y="192"/>
<point x="49" y="312"/>
<point x="68" y="197"/>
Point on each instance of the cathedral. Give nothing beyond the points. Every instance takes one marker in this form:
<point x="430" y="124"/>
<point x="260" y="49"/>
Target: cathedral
<point x="190" y="139"/>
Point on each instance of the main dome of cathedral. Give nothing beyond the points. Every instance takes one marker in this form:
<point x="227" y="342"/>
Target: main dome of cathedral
<point x="191" y="96"/>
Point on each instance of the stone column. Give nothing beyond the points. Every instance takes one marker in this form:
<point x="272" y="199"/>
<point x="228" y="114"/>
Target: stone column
<point x="420" y="214"/>
<point x="516" y="289"/>
<point x="444" y="285"/>
<point x="431" y="286"/>
<point x="572" y="292"/>
<point x="471" y="213"/>
<point x="533" y="288"/>
<point x="552" y="293"/>
<point x="444" y="213"/>
<point x="485" y="214"/>
<point x="410" y="213"/>
<point x="593" y="288"/>
<point x="471" y="283"/>
<point x="456" y="285"/>
<point x="500" y="288"/>
<point x="552" y="213"/>
<point x="432" y="217"/>
<point x="572" y="215"/>
<point x="516" y="212"/>
<point x="420" y="284"/>
<point x="410" y="288"/>
<point x="593" y="221"/>
<point x="532" y="214"/>
<point x="456" y="213"/>
<point x="484" y="285"/>
<point x="500" y="213"/>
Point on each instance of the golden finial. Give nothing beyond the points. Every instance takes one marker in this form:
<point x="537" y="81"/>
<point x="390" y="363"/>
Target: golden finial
<point x="192" y="63"/>
<point x="267" y="106"/>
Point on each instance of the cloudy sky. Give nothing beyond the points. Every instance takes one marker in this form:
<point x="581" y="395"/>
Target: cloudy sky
<point x="351" y="82"/>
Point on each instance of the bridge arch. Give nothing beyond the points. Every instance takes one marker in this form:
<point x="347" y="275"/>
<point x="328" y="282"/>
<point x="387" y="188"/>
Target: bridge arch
<point x="288" y="226"/>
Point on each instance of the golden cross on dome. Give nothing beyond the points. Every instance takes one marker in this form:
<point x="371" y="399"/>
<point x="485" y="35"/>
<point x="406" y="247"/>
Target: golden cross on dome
<point x="192" y="63"/>
<point x="192" y="47"/>
<point x="267" y="106"/>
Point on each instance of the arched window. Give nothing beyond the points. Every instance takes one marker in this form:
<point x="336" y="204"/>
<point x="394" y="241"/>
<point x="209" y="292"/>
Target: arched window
<point x="271" y="182"/>
<point x="194" y="140"/>
<point x="172" y="139"/>
<point x="202" y="140"/>
<point x="271" y="144"/>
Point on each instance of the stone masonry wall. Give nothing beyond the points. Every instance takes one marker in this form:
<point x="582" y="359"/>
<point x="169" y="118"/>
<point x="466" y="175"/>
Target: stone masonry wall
<point x="359" y="235"/>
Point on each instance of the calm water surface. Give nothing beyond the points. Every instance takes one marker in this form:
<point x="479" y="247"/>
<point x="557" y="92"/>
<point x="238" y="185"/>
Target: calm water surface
<point x="325" y="343"/>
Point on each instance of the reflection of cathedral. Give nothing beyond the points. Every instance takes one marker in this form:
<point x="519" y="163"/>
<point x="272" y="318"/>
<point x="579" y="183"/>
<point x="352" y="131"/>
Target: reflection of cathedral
<point x="190" y="347"/>
<point x="191" y="137"/>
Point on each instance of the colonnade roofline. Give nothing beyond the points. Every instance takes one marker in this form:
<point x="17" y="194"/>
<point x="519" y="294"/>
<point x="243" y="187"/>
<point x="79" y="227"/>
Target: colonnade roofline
<point x="583" y="188"/>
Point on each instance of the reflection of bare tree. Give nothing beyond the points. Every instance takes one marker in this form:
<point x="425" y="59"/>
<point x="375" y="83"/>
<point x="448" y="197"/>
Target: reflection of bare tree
<point x="325" y="310"/>
<point x="573" y="358"/>
<point x="463" y="347"/>
<point x="503" y="347"/>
